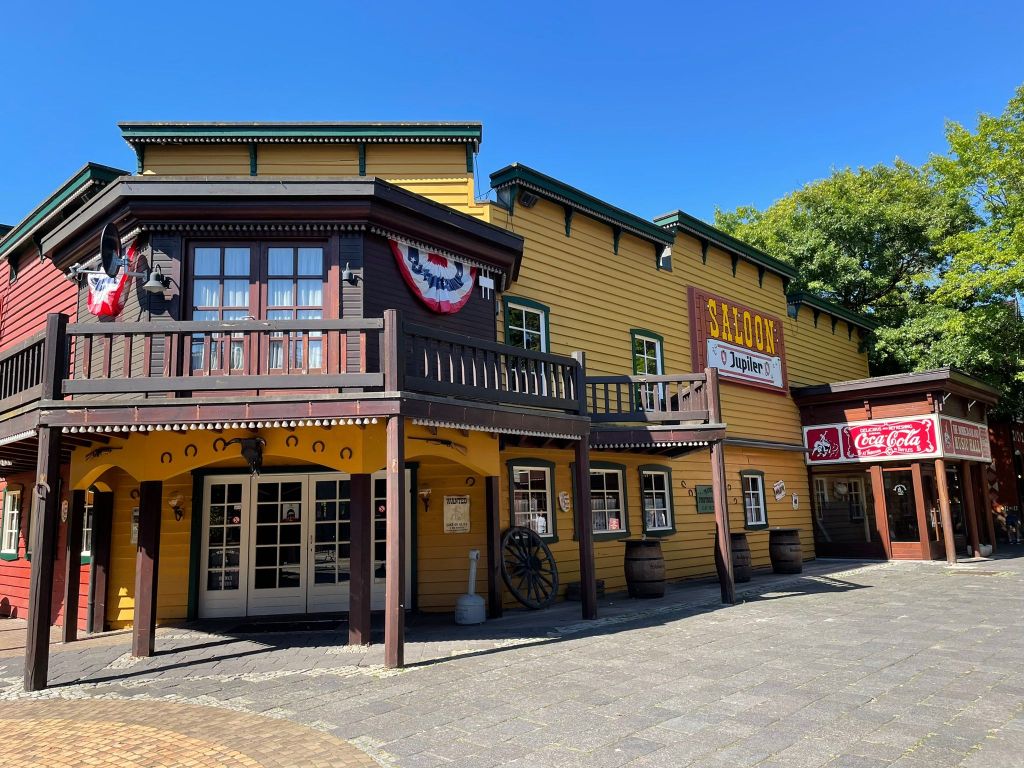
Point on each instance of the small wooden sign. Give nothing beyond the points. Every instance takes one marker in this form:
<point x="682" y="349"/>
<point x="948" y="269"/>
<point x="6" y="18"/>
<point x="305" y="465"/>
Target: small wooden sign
<point x="456" y="514"/>
<point x="705" y="500"/>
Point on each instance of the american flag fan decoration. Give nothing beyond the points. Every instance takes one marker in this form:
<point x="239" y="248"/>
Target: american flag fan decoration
<point x="107" y="295"/>
<point x="443" y="284"/>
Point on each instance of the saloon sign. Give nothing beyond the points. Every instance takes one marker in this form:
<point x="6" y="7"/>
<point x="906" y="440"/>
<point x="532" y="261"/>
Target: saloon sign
<point x="919" y="437"/>
<point x="744" y="344"/>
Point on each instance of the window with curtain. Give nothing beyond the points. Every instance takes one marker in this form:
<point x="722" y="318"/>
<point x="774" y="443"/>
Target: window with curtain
<point x="295" y="291"/>
<point x="220" y="291"/>
<point x="657" y="498"/>
<point x="11" y="523"/>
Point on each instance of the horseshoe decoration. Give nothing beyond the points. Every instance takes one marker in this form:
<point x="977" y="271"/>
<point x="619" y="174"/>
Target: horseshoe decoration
<point x="166" y="457"/>
<point x="691" y="492"/>
<point x="321" y="448"/>
<point x="191" y="450"/>
<point x="42" y="489"/>
<point x="682" y="484"/>
<point x="470" y="481"/>
<point x="346" y="452"/>
<point x="222" y="444"/>
<point x="291" y="441"/>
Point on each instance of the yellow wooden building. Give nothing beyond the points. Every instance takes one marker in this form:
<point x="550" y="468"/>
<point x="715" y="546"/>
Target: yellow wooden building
<point x="283" y="319"/>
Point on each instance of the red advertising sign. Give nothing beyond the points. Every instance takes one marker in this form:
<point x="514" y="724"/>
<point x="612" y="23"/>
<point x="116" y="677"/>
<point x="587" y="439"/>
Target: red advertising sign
<point x="879" y="440"/>
<point x="964" y="439"/>
<point x="744" y="344"/>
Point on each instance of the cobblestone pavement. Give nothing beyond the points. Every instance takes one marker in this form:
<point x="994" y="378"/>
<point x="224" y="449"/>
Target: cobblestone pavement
<point x="914" y="665"/>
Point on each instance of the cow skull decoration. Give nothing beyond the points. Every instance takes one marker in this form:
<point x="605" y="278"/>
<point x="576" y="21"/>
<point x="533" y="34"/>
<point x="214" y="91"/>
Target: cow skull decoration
<point x="252" y="451"/>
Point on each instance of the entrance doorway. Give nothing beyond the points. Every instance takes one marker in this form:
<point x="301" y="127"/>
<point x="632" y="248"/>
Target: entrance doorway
<point x="281" y="544"/>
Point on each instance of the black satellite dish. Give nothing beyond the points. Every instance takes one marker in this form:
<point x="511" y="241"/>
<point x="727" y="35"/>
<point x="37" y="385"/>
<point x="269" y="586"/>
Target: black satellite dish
<point x="110" y="249"/>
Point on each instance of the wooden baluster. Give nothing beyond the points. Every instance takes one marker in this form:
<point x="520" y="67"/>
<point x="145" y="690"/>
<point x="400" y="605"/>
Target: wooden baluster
<point x="147" y="357"/>
<point x="126" y="346"/>
<point x="108" y="342"/>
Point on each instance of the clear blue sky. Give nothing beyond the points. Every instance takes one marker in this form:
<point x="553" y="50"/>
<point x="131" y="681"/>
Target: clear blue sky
<point x="649" y="106"/>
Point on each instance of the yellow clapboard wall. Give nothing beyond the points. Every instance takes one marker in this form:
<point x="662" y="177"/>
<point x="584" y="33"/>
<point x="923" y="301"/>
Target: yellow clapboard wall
<point x="196" y="160"/>
<point x="818" y="353"/>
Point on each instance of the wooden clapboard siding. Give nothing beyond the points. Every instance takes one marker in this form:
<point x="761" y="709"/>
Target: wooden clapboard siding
<point x="442" y="559"/>
<point x="196" y="159"/>
<point x="306" y="160"/>
<point x="39" y="290"/>
<point x="416" y="161"/>
<point x="172" y="589"/>
<point x="817" y="354"/>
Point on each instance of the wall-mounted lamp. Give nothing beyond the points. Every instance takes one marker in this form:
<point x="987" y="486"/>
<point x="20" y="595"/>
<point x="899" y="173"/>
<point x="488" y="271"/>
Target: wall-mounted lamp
<point x="348" y="276"/>
<point x="158" y="282"/>
<point x="175" y="504"/>
<point x="425" y="498"/>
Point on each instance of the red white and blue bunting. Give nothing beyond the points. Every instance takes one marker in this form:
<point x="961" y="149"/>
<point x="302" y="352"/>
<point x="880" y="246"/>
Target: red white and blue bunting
<point x="107" y="295"/>
<point x="443" y="284"/>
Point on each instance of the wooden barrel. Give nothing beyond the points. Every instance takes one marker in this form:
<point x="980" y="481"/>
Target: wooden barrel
<point x="742" y="570"/>
<point x="645" y="568"/>
<point x="784" y="550"/>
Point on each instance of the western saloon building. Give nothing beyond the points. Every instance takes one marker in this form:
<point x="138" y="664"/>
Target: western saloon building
<point x="311" y="372"/>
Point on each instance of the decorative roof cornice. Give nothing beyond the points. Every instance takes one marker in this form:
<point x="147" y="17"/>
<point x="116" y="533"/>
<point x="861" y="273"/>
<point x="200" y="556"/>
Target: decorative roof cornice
<point x="552" y="189"/>
<point x="89" y="177"/>
<point x="816" y="302"/>
<point x="137" y="133"/>
<point x="678" y="220"/>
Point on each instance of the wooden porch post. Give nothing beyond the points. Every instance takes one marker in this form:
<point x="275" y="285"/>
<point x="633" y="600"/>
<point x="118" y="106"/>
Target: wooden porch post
<point x="881" y="513"/>
<point x="44" y="511"/>
<point x="719" y="492"/>
<point x="394" y="604"/>
<point x="971" y="512"/>
<point x="947" y="517"/>
<point x="147" y="562"/>
<point x="585" y="529"/>
<point x="43" y="539"/>
<point x="923" y="538"/>
<point x="494" y="607"/>
<point x="361" y="560"/>
<point x="102" y="526"/>
<point x="986" y="506"/>
<point x="73" y="567"/>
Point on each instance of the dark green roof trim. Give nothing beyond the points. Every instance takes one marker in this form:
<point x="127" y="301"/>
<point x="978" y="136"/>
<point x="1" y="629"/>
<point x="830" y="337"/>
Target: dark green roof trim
<point x="705" y="232"/>
<point x="816" y="302"/>
<point x="91" y="173"/>
<point x="558" y="192"/>
<point x="330" y="132"/>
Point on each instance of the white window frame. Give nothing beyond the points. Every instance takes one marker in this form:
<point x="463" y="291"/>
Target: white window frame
<point x="820" y="497"/>
<point x="603" y="495"/>
<point x="754" y="499"/>
<point x="10" y="524"/>
<point x="666" y="493"/>
<point x="855" y="498"/>
<point x="655" y="392"/>
<point x="543" y="324"/>
<point x="90" y="500"/>
<point x="541" y="521"/>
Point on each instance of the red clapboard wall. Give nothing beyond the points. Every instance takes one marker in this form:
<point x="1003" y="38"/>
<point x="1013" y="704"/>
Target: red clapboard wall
<point x="39" y="289"/>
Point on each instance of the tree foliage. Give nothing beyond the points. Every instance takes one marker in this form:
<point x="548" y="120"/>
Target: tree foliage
<point x="933" y="253"/>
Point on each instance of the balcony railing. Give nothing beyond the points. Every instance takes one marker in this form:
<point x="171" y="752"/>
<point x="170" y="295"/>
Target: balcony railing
<point x="647" y="398"/>
<point x="21" y="373"/>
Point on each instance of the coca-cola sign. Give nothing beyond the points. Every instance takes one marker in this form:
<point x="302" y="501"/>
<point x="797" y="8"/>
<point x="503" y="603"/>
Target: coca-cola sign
<point x="878" y="440"/>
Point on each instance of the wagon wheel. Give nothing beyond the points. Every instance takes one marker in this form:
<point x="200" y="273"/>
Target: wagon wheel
<point x="528" y="568"/>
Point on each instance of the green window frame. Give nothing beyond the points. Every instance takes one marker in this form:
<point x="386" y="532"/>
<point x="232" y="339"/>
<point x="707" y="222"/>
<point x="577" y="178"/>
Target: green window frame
<point x="599" y="474"/>
<point x="10" y="525"/>
<point x="755" y="501"/>
<point x="531" y="506"/>
<point x="642" y="343"/>
<point x="518" y="330"/>
<point x="649" y="498"/>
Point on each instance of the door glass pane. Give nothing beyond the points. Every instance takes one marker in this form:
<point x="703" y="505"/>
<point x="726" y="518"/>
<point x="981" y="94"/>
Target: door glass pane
<point x="280" y="261"/>
<point x="900" y="506"/>
<point x="331" y="552"/>
<point x="206" y="293"/>
<point x="236" y="261"/>
<point x="207" y="261"/>
<point x="311" y="261"/>
<point x="279" y="293"/>
<point x="224" y="526"/>
<point x="278" y="545"/>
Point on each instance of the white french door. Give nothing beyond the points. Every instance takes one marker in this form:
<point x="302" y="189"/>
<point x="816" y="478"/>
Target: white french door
<point x="281" y="544"/>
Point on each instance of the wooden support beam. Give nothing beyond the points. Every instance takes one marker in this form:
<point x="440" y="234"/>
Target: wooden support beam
<point x="585" y="529"/>
<point x="986" y="506"/>
<point x="394" y="585"/>
<point x="881" y="514"/>
<point x="361" y="560"/>
<point x="971" y="509"/>
<point x="43" y="535"/>
<point x="944" y="512"/>
<point x="147" y="562"/>
<point x="73" y="567"/>
<point x="719" y="492"/>
<point x="494" y="607"/>
<point x="99" y="571"/>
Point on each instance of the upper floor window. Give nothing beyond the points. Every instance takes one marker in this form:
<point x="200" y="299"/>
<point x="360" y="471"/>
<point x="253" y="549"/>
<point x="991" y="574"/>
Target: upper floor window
<point x="10" y="523"/>
<point x="87" y="524"/>
<point x="526" y="324"/>
<point x="648" y="360"/>
<point x="755" y="506"/>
